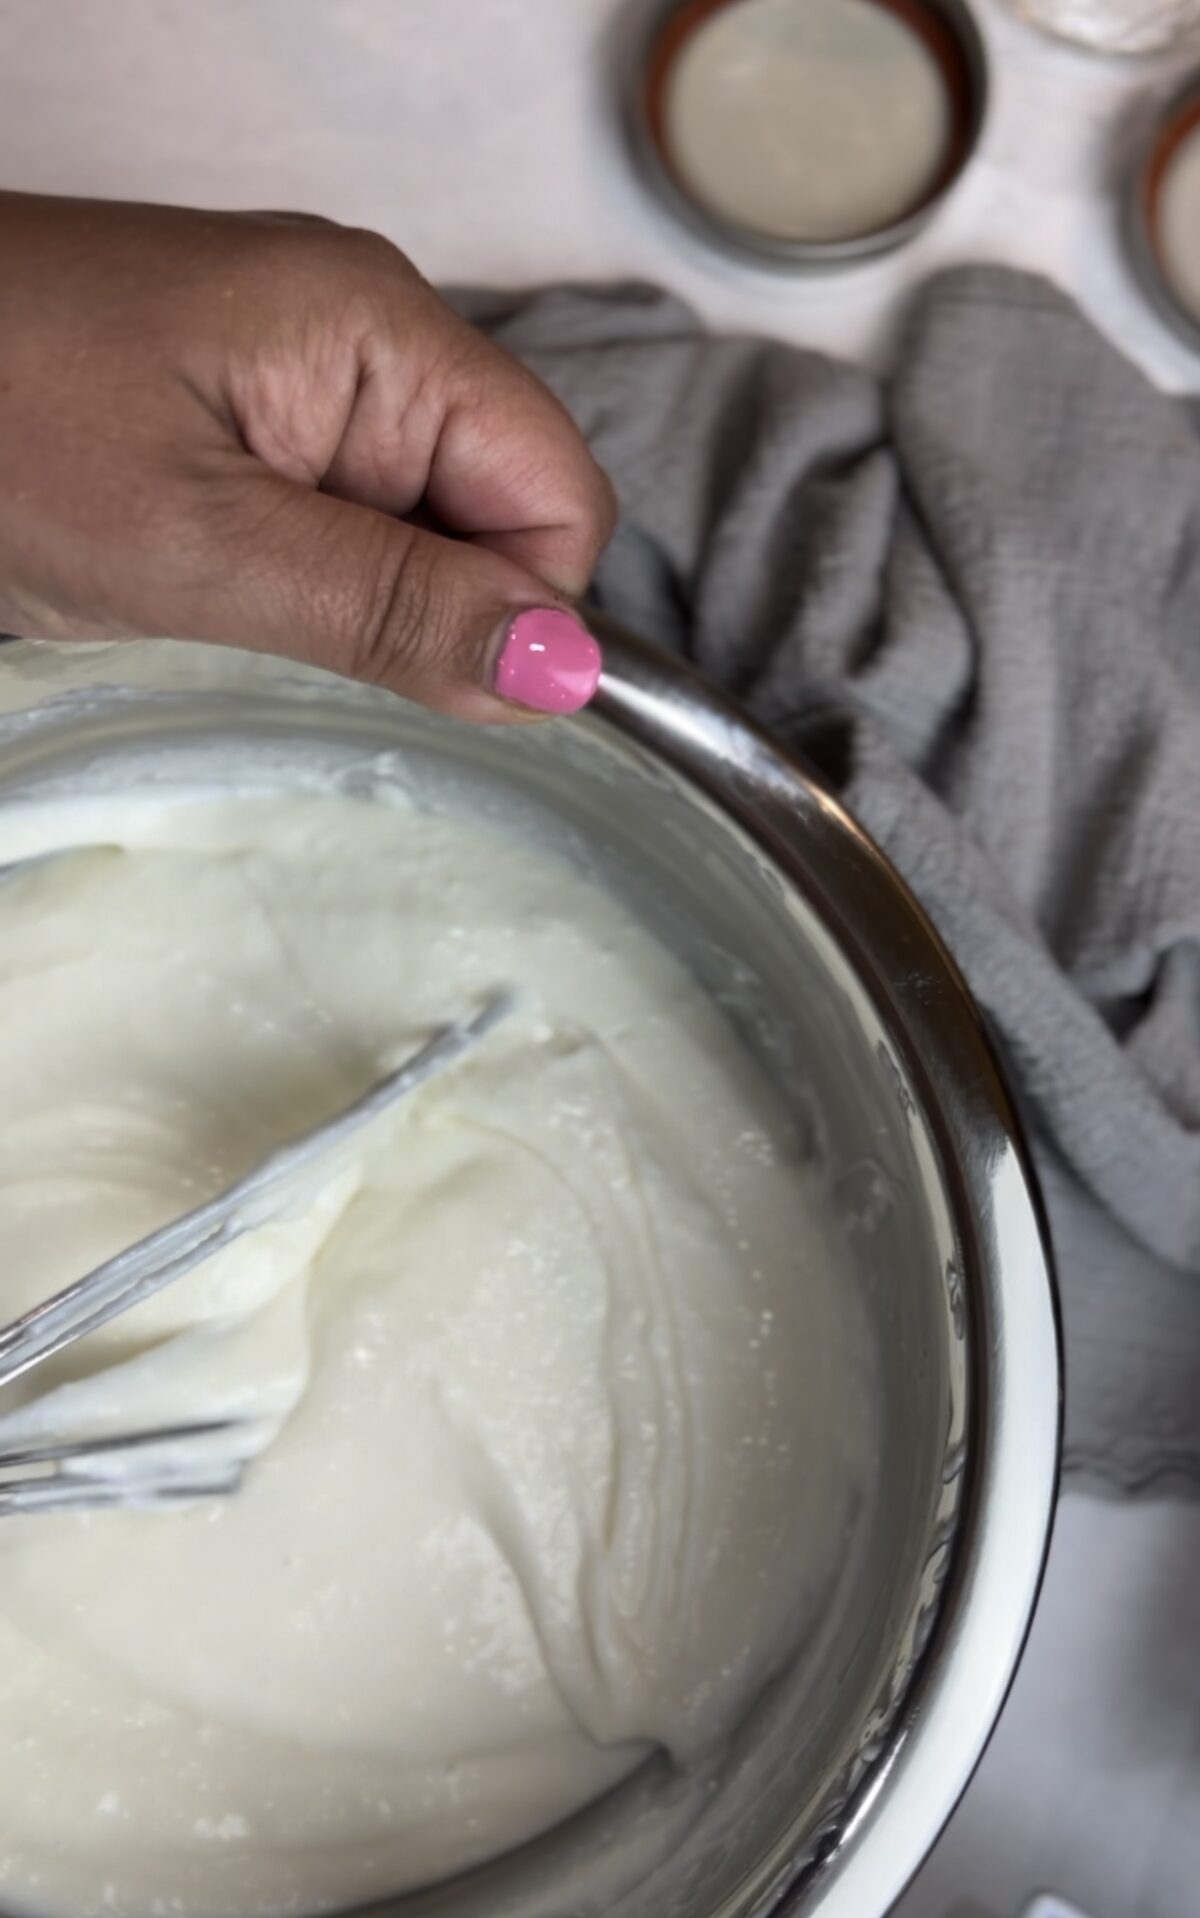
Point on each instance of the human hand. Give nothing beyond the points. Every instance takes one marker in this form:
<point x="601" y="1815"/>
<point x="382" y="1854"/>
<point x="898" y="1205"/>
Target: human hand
<point x="267" y="431"/>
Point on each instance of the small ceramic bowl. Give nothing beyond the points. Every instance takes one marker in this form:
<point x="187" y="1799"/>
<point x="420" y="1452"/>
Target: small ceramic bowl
<point x="650" y="43"/>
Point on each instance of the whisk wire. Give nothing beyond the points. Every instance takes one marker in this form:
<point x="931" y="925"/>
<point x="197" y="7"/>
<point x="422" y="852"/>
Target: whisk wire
<point x="63" y="1475"/>
<point x="142" y="1270"/>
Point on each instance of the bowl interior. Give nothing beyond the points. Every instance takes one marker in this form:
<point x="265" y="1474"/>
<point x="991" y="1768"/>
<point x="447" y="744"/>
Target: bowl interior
<point x="772" y="1803"/>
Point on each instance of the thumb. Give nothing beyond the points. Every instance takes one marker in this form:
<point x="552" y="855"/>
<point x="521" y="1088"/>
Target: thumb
<point x="449" y="624"/>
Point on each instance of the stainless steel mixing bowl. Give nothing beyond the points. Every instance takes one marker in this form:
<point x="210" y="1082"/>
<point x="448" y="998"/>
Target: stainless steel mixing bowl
<point x="830" y="1793"/>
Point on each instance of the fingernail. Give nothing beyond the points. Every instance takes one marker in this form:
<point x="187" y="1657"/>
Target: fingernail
<point x="550" y="663"/>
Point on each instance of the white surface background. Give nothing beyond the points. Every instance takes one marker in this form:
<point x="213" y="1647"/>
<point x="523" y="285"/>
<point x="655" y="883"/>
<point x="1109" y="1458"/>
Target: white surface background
<point x="479" y="134"/>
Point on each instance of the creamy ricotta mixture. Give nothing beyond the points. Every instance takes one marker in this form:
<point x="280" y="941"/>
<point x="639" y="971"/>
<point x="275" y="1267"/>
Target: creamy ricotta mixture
<point x="553" y="1366"/>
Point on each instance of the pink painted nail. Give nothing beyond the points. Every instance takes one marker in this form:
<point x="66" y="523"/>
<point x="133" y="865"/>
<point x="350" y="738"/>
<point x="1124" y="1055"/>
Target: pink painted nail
<point x="550" y="662"/>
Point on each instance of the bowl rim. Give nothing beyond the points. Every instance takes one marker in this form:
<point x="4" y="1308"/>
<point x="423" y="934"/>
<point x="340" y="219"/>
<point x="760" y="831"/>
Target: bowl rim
<point x="882" y="1821"/>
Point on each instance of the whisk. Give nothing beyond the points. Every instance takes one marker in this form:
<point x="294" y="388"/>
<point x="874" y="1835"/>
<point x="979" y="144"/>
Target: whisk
<point x="205" y="1458"/>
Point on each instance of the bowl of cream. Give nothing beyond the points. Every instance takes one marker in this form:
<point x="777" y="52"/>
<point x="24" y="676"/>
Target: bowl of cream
<point x="658" y="1414"/>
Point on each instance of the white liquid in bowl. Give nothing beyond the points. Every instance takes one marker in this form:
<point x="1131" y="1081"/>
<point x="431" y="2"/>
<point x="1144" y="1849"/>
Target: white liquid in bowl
<point x="814" y="120"/>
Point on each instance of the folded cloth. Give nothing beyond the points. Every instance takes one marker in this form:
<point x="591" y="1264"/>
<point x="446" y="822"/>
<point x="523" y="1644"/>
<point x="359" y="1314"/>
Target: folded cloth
<point x="971" y="596"/>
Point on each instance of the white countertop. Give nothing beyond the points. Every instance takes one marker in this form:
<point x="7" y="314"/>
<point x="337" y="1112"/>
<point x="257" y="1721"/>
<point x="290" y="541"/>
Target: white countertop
<point x="1091" y="1784"/>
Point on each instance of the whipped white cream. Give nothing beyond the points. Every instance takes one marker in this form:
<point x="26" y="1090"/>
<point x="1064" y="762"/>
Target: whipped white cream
<point x="554" y="1365"/>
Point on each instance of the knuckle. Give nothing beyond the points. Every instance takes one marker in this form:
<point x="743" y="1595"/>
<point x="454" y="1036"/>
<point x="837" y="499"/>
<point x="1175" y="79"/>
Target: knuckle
<point x="401" y="630"/>
<point x="375" y="256"/>
<point x="291" y="220"/>
<point x="310" y="248"/>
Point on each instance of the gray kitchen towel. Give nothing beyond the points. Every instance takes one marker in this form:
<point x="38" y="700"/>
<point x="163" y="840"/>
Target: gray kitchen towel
<point x="971" y="595"/>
